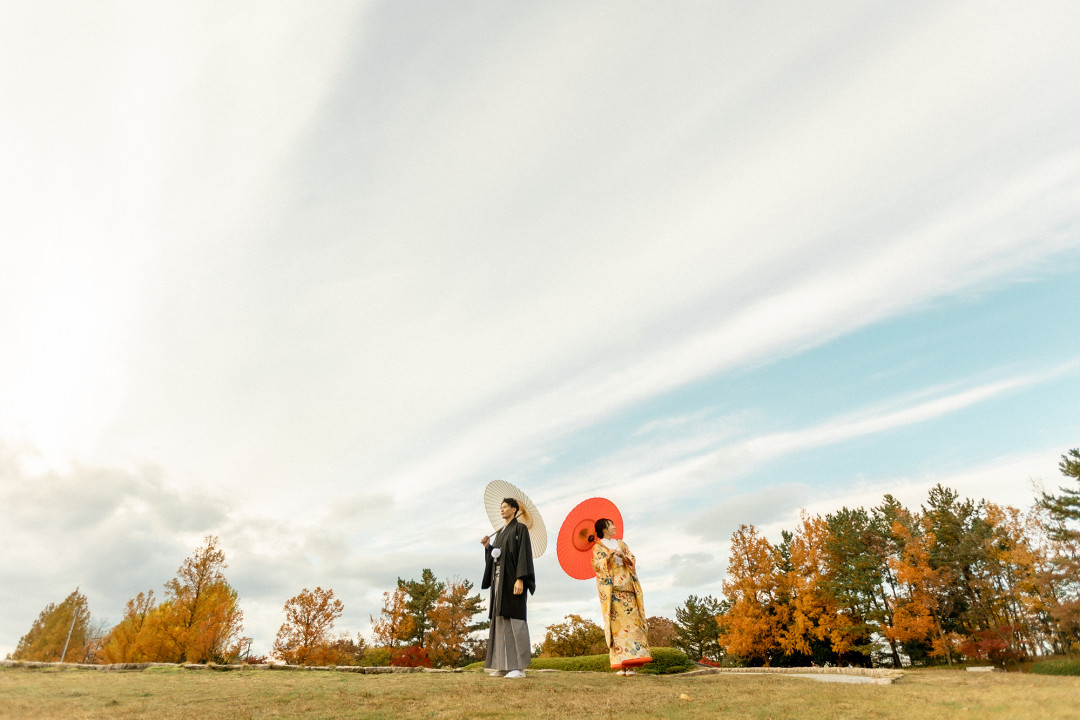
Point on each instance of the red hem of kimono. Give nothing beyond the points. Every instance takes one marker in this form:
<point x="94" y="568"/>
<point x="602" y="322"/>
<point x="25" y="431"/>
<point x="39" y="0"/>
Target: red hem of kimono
<point x="633" y="662"/>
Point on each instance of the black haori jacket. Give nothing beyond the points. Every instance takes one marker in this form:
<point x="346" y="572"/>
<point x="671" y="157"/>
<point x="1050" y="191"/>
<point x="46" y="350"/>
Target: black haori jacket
<point x="517" y="563"/>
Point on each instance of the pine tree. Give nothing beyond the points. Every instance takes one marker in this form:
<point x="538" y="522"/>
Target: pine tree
<point x="696" y="628"/>
<point x="1063" y="528"/>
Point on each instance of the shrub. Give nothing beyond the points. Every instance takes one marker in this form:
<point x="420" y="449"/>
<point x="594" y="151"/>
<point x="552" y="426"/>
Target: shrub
<point x="666" y="661"/>
<point x="589" y="663"/>
<point x="1056" y="667"/>
<point x="376" y="657"/>
<point x="411" y="656"/>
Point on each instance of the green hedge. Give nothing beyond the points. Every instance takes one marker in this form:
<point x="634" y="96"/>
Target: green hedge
<point x="588" y="663"/>
<point x="1056" y="667"/>
<point x="665" y="661"/>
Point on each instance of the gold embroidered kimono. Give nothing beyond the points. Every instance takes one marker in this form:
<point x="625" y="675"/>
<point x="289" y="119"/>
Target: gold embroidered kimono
<point x="622" y="606"/>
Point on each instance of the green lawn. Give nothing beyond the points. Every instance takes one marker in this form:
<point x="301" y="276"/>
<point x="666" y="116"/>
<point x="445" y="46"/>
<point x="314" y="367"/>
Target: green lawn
<point x="177" y="694"/>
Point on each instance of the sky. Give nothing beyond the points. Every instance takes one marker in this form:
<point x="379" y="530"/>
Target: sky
<point x="308" y="277"/>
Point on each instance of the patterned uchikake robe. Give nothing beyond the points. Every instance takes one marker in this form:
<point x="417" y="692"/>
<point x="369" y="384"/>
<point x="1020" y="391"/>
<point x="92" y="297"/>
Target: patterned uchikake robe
<point x="623" y="606"/>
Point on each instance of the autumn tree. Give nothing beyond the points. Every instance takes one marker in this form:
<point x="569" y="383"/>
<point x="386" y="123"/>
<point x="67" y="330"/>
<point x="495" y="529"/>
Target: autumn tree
<point x="198" y="621"/>
<point x="395" y="625"/>
<point x="304" y="637"/>
<point x="345" y="650"/>
<point x="815" y="629"/>
<point x="203" y="614"/>
<point x="62" y="632"/>
<point x="434" y="618"/>
<point x="451" y="624"/>
<point x="574" y="637"/>
<point x="696" y="628"/>
<point x="918" y="608"/>
<point x="141" y="635"/>
<point x="662" y="631"/>
<point x="760" y="608"/>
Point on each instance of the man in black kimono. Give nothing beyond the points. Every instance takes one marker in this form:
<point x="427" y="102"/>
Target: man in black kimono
<point x="508" y="571"/>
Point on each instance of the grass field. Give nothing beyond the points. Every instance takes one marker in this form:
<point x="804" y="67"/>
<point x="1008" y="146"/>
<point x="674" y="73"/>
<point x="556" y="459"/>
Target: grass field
<point x="177" y="694"/>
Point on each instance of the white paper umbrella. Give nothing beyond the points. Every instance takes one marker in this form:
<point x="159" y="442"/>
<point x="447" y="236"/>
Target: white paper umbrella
<point x="495" y="492"/>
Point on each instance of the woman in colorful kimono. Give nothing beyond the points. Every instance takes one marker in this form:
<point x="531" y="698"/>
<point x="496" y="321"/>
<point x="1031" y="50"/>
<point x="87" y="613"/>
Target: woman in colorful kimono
<point x="621" y="601"/>
<point x="508" y="571"/>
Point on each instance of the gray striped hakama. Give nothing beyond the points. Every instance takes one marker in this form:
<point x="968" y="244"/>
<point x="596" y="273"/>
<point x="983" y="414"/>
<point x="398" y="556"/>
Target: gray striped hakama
<point x="508" y="638"/>
<point x="508" y="644"/>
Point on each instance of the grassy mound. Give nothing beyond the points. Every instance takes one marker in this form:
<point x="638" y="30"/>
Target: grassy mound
<point x="665" y="661"/>
<point x="1057" y="667"/>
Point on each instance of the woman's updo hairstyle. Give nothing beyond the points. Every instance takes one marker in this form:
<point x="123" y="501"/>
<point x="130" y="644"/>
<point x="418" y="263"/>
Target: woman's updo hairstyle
<point x="599" y="526"/>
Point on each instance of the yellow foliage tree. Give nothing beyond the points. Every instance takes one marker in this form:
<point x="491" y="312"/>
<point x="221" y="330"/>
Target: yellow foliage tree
<point x="751" y="628"/>
<point x="813" y="613"/>
<point x="58" y="628"/>
<point x="140" y="635"/>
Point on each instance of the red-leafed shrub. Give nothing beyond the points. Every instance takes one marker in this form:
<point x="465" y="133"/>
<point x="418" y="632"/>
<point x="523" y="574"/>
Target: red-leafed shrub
<point x="411" y="656"/>
<point x="997" y="645"/>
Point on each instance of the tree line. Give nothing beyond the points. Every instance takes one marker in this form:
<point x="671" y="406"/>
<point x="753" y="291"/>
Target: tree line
<point x="424" y="622"/>
<point x="954" y="580"/>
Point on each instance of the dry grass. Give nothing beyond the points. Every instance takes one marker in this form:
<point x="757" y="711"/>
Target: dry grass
<point x="174" y="694"/>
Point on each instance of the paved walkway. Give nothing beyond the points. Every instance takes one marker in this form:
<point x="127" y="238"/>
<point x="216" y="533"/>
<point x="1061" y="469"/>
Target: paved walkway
<point x="838" y="675"/>
<point x="821" y="677"/>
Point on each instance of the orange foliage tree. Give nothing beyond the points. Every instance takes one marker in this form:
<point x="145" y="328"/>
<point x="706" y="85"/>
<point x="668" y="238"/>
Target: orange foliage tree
<point x="451" y="624"/>
<point x="751" y="627"/>
<point x="199" y="621"/>
<point x="1019" y="602"/>
<point x="395" y="625"/>
<point x="204" y="617"/>
<point x="814" y="616"/>
<point x="958" y="579"/>
<point x="917" y="609"/>
<point x="429" y="616"/>
<point x="304" y="637"/>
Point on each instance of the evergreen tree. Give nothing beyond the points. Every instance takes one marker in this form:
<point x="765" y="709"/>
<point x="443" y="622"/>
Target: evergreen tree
<point x="422" y="597"/>
<point x="696" y="628"/>
<point x="1063" y="529"/>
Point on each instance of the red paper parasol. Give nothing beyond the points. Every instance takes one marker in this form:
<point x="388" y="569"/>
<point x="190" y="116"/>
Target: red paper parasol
<point x="573" y="546"/>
